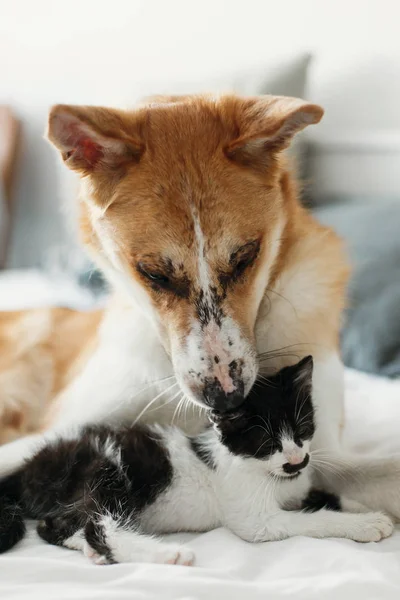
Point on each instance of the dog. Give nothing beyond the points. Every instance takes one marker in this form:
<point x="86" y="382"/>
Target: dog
<point x="189" y="206"/>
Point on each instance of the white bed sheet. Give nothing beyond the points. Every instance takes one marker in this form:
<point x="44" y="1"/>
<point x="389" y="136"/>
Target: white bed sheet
<point x="226" y="567"/>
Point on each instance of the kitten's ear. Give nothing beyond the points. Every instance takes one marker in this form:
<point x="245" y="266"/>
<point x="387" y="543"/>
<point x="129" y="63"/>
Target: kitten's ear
<point x="227" y="423"/>
<point x="302" y="372"/>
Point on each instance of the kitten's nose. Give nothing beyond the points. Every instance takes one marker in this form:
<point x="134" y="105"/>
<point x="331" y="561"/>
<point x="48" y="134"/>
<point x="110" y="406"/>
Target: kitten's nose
<point x="295" y="467"/>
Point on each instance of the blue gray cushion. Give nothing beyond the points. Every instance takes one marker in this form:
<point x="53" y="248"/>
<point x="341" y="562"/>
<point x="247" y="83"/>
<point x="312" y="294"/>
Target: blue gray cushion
<point x="371" y="333"/>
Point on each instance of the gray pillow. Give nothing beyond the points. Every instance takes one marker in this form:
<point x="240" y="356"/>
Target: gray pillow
<point x="3" y="225"/>
<point x="371" y="333"/>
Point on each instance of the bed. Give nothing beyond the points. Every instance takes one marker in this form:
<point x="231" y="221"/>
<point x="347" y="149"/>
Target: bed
<point x="226" y="567"/>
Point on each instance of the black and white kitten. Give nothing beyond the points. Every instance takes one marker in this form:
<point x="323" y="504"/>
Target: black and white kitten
<point x="107" y="491"/>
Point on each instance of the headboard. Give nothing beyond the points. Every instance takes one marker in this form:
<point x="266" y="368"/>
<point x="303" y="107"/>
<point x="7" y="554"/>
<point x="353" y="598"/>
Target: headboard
<point x="357" y="164"/>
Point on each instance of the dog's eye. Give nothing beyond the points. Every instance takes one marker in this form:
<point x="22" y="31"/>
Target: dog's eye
<point x="244" y="257"/>
<point x="241" y="266"/>
<point x="156" y="277"/>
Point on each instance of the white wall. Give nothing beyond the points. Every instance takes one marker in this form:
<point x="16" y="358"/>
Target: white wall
<point x="79" y="50"/>
<point x="113" y="51"/>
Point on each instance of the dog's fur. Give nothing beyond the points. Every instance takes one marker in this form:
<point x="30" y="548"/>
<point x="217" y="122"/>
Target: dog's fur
<point x="189" y="207"/>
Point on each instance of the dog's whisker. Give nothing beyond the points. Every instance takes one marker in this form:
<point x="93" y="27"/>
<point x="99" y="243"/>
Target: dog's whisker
<point x="146" y="408"/>
<point x="141" y="391"/>
<point x="177" y="408"/>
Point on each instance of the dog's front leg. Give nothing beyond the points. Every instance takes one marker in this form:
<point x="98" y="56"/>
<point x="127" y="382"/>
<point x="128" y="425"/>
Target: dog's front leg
<point x="250" y="509"/>
<point x="373" y="481"/>
<point x="110" y="389"/>
<point x="365" y="527"/>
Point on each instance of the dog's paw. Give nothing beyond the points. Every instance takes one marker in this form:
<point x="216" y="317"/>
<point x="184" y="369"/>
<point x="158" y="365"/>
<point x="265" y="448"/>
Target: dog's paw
<point x="174" y="554"/>
<point x="371" y="527"/>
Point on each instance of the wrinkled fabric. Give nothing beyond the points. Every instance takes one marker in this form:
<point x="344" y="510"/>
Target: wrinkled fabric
<point x="227" y="567"/>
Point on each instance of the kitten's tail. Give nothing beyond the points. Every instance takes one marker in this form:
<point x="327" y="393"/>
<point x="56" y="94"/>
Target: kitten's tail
<point x="12" y="524"/>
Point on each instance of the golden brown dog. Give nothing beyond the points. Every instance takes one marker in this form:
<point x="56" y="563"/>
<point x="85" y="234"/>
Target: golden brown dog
<point x="220" y="275"/>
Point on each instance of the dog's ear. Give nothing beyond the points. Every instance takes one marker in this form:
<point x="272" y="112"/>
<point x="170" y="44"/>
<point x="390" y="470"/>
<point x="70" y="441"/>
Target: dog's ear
<point x="266" y="125"/>
<point x="92" y="139"/>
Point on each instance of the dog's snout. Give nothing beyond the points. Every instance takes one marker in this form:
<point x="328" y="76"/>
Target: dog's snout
<point x="291" y="468"/>
<point x="218" y="399"/>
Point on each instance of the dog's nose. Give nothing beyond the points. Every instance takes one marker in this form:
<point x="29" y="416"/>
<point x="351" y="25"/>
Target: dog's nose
<point x="295" y="468"/>
<point x="216" y="398"/>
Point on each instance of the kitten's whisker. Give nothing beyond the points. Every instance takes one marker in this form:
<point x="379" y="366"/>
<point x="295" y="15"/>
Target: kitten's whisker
<point x="298" y="409"/>
<point x="304" y="417"/>
<point x="259" y="448"/>
<point x="268" y="426"/>
<point x="254" y="427"/>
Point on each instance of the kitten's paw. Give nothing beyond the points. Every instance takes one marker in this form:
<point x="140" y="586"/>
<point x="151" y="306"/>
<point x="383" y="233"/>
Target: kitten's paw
<point x="171" y="554"/>
<point x="95" y="557"/>
<point x="372" y="527"/>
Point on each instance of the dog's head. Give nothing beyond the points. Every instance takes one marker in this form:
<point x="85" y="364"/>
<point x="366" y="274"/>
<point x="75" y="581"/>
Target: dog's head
<point x="182" y="204"/>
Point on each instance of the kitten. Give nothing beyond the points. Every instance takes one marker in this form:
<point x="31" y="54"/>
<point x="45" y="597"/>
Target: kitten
<point x="106" y="491"/>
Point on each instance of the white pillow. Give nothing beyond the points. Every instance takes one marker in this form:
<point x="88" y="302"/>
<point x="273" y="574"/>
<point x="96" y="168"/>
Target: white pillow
<point x="30" y="288"/>
<point x="285" y="77"/>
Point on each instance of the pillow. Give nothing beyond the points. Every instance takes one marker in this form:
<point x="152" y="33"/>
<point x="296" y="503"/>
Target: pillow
<point x="3" y="226"/>
<point x="287" y="77"/>
<point x="22" y="289"/>
<point x="370" y="337"/>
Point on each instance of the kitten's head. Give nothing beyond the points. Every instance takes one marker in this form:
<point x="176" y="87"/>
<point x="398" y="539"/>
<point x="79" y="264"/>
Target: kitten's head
<point x="276" y="422"/>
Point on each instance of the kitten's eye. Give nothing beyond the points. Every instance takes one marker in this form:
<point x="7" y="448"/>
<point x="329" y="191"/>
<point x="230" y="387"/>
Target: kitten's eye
<point x="304" y="433"/>
<point x="154" y="276"/>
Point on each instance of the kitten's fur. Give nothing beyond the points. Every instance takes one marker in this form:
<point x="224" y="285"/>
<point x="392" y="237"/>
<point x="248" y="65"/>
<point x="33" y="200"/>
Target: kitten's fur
<point x="105" y="490"/>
